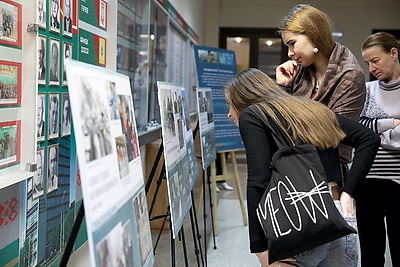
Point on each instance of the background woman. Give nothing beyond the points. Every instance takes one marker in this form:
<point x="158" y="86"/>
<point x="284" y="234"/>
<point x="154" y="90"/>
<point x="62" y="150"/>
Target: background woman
<point x="304" y="121"/>
<point x="380" y="194"/>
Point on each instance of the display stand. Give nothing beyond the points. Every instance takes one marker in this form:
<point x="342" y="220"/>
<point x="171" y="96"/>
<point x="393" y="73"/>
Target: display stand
<point x="225" y="176"/>
<point x="166" y="216"/>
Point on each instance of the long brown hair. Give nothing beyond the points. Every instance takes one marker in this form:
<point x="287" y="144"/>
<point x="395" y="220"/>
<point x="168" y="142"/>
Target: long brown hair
<point x="307" y="121"/>
<point x="313" y="23"/>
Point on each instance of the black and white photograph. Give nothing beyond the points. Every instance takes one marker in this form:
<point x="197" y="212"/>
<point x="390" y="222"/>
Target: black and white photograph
<point x="52" y="168"/>
<point x="42" y="13"/>
<point x="41" y="59"/>
<point x="40" y="115"/>
<point x="143" y="226"/>
<point x="53" y="118"/>
<point x="66" y="115"/>
<point x="67" y="21"/>
<point x="54" y="71"/>
<point x="96" y="123"/>
<point x="112" y="100"/>
<point x="38" y="178"/>
<point x="127" y="243"/>
<point x="67" y="53"/>
<point x="109" y="250"/>
<point x="55" y="16"/>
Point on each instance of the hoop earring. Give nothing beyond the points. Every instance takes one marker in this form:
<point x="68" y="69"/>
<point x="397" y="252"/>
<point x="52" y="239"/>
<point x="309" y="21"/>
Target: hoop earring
<point x="315" y="50"/>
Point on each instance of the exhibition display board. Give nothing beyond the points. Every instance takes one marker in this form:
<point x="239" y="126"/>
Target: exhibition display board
<point x="177" y="164"/>
<point x="206" y="126"/>
<point x="215" y="67"/>
<point x="110" y="167"/>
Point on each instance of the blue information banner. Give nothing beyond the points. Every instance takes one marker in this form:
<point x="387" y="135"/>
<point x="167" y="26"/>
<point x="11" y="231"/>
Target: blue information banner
<point x="215" y="67"/>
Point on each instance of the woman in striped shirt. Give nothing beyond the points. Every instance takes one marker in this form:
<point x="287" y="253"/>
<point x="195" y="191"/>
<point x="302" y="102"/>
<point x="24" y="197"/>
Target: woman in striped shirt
<point x="380" y="192"/>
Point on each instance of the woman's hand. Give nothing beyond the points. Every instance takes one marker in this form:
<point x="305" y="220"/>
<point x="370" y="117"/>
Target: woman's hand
<point x="286" y="72"/>
<point x="263" y="258"/>
<point x="347" y="204"/>
<point x="396" y="123"/>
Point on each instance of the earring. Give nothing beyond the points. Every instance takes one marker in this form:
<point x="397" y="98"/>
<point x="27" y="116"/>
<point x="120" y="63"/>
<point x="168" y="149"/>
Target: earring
<point x="315" y="50"/>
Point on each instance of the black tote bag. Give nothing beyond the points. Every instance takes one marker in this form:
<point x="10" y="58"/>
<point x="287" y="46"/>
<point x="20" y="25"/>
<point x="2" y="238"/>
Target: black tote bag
<point x="297" y="211"/>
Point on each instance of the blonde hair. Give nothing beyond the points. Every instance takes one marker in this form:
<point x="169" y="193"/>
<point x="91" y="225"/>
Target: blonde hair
<point x="306" y="120"/>
<point x="313" y="23"/>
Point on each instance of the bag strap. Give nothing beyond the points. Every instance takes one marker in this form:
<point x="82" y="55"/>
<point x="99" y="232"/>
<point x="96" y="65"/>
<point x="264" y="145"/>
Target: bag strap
<point x="280" y="139"/>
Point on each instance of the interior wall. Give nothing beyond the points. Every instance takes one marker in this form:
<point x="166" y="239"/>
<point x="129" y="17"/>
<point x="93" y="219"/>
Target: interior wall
<point x="355" y="18"/>
<point x="193" y="12"/>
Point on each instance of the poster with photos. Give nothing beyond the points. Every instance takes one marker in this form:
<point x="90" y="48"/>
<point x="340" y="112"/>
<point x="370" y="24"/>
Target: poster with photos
<point x="42" y="13"/>
<point x="41" y="59"/>
<point x="53" y="116"/>
<point x="40" y="116"/>
<point x="206" y="126"/>
<point x="54" y="59"/>
<point x="110" y="165"/>
<point x="68" y="17"/>
<point x="67" y="53"/>
<point x="39" y="176"/>
<point x="65" y="115"/>
<point x="176" y="157"/>
<point x="10" y="23"/>
<point x="55" y="16"/>
<point x="52" y="168"/>
<point x="10" y="83"/>
<point x="10" y="142"/>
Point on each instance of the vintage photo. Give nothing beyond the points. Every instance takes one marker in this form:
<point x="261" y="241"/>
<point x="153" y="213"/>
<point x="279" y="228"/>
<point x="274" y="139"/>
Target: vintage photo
<point x="38" y="178"/>
<point x="128" y="126"/>
<point x="53" y="121"/>
<point x="52" y="172"/>
<point x="9" y="142"/>
<point x="110" y="250"/>
<point x="67" y="22"/>
<point x="10" y="83"/>
<point x="55" y="16"/>
<point x="96" y="123"/>
<point x="10" y="23"/>
<point x="66" y="115"/>
<point x="112" y="100"/>
<point x="67" y="53"/>
<point x="41" y="59"/>
<point x="103" y="14"/>
<point x="143" y="226"/>
<point x="42" y="13"/>
<point x="40" y="119"/>
<point x="122" y="156"/>
<point x="54" y="62"/>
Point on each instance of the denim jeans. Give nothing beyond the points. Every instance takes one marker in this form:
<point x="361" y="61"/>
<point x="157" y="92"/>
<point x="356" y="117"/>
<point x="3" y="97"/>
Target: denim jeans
<point x="342" y="252"/>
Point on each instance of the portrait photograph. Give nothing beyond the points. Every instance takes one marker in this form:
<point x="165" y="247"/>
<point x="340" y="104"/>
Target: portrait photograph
<point x="67" y="53"/>
<point x="66" y="115"/>
<point x="10" y="83"/>
<point x="38" y="178"/>
<point x="40" y="119"/>
<point x="52" y="168"/>
<point x="55" y="16"/>
<point x="10" y="23"/>
<point x="53" y="108"/>
<point x="42" y="13"/>
<point x="103" y="14"/>
<point x="68" y="20"/>
<point x="10" y="141"/>
<point x="41" y="59"/>
<point x="54" y="72"/>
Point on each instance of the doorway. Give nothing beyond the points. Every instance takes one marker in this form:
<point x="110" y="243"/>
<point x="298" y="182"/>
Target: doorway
<point x="260" y="48"/>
